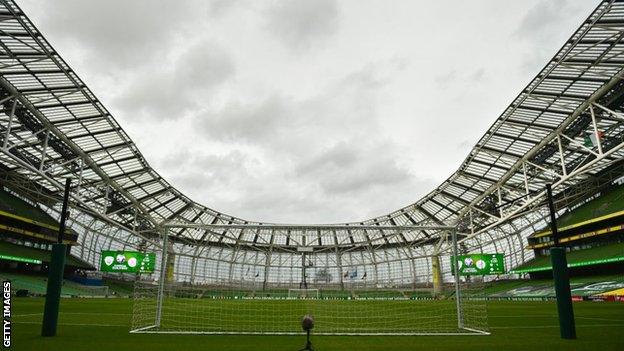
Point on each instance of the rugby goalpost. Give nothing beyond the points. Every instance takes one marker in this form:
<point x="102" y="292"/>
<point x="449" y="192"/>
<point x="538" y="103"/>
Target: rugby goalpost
<point x="355" y="308"/>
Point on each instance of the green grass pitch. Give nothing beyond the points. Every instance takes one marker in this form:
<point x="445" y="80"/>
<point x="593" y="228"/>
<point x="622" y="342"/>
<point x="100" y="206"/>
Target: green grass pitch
<point x="330" y="316"/>
<point x="103" y="324"/>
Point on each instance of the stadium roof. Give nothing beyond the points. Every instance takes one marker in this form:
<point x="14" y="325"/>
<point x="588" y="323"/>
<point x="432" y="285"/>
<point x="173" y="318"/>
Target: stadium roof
<point x="54" y="126"/>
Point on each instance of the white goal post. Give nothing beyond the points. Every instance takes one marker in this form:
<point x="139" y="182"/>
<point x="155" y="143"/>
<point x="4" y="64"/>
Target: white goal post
<point x="347" y="295"/>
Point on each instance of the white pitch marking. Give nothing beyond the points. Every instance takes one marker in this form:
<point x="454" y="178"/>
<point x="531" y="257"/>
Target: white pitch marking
<point x="29" y="314"/>
<point x="78" y="324"/>
<point x="601" y="319"/>
<point x="556" y="326"/>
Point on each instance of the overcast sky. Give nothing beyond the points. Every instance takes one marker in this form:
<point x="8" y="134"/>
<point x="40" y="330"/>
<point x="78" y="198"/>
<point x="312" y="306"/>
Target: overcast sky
<point x="307" y="111"/>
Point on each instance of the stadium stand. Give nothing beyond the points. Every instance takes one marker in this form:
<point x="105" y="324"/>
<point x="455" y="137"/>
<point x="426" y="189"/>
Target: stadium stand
<point x="36" y="286"/>
<point x="592" y="232"/>
<point x="118" y="287"/>
<point x="26" y="235"/>
<point x="582" y="288"/>
<point x="15" y="250"/>
<point x="578" y="258"/>
<point x="24" y="220"/>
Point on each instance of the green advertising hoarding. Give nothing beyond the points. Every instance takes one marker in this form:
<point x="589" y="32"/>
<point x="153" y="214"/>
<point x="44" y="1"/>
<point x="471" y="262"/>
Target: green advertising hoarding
<point x="127" y="262"/>
<point x="20" y="259"/>
<point x="480" y="264"/>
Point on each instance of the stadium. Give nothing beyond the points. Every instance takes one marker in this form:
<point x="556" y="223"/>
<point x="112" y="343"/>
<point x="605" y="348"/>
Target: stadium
<point x="139" y="264"/>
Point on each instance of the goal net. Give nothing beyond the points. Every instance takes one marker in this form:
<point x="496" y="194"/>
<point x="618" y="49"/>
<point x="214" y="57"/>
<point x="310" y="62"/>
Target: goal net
<point x="354" y="294"/>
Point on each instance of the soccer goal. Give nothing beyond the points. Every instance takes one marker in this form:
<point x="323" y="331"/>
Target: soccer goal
<point x="303" y="293"/>
<point x="394" y="292"/>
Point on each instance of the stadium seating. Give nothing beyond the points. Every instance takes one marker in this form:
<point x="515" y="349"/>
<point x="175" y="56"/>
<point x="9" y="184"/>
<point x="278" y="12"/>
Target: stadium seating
<point x="36" y="285"/>
<point x="599" y="253"/>
<point x="14" y="205"/>
<point x="610" y="202"/>
<point x="39" y="254"/>
<point x="591" y="287"/>
<point x="119" y="287"/>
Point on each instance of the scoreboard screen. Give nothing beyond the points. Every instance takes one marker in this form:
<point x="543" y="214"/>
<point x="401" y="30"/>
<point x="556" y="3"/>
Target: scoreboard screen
<point x="127" y="262"/>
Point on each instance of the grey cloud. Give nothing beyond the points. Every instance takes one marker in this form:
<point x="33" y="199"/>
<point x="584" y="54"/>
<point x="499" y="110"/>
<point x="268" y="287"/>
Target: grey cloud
<point x="339" y="155"/>
<point x="541" y="20"/>
<point x="464" y="145"/>
<point x="354" y="166"/>
<point x="282" y="123"/>
<point x="117" y="33"/>
<point x="251" y="123"/>
<point x="477" y="75"/>
<point x="180" y="86"/>
<point x="301" y="23"/>
<point x="150" y="98"/>
<point x="228" y="180"/>
<point x="444" y="80"/>
<point x="380" y="173"/>
<point x="198" y="171"/>
<point x="263" y="201"/>
<point x="218" y="8"/>
<point x="317" y="148"/>
<point x="320" y="145"/>
<point x="203" y="65"/>
<point x="541" y="29"/>
<point x="284" y="198"/>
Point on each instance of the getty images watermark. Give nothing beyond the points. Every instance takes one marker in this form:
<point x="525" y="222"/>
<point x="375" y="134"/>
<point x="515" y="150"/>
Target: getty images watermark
<point x="6" y="314"/>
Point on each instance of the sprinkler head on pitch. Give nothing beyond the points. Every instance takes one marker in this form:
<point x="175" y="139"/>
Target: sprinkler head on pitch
<point x="307" y="323"/>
